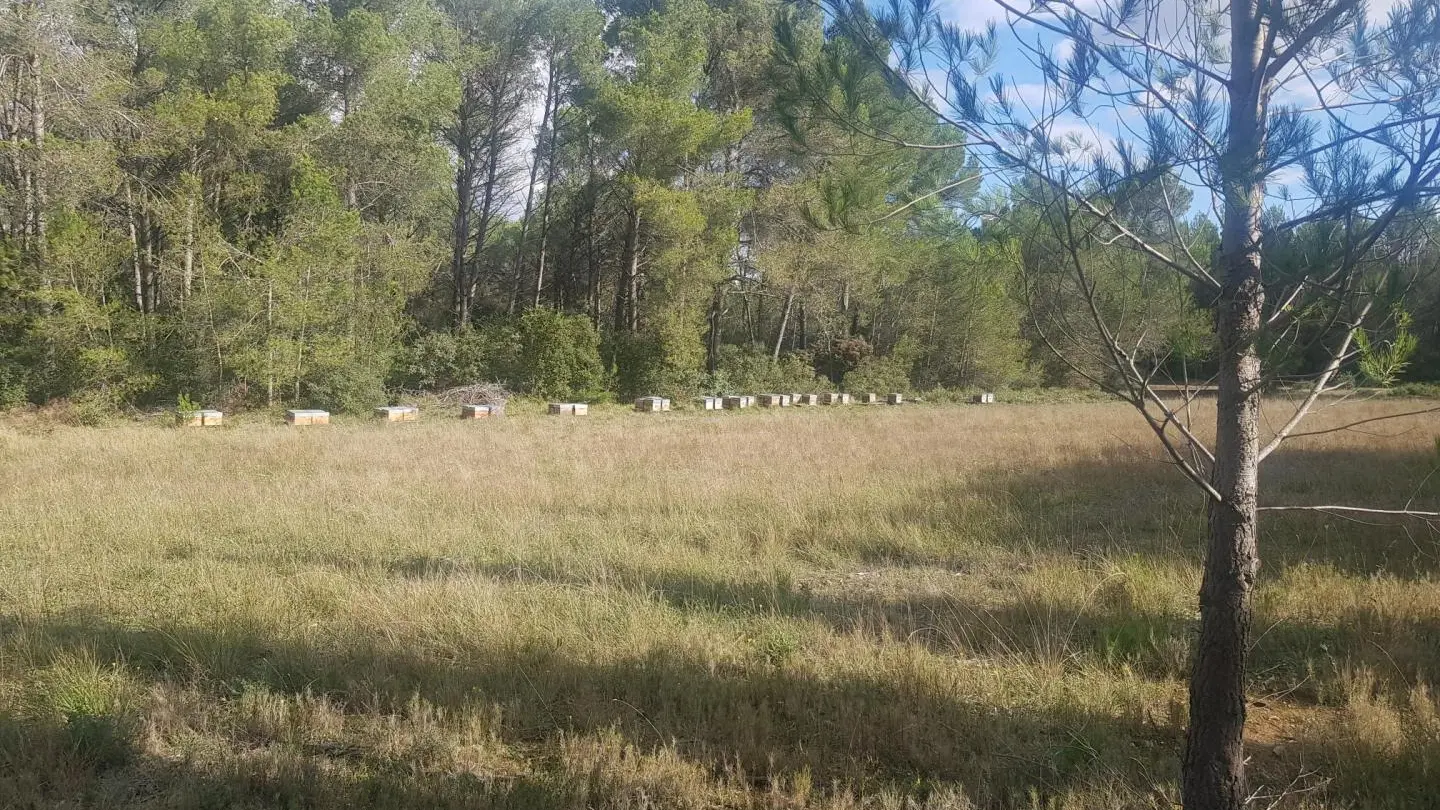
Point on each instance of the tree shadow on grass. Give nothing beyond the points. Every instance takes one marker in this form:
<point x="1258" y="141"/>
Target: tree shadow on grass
<point x="762" y="722"/>
<point x="1136" y="506"/>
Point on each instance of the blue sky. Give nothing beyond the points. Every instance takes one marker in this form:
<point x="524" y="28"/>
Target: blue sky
<point x="1100" y="126"/>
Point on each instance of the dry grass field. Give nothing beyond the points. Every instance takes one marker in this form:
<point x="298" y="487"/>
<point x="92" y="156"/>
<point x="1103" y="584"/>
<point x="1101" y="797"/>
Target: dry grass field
<point x="916" y="607"/>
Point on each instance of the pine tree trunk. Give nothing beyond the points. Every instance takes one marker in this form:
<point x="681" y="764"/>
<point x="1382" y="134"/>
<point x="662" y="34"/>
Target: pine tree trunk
<point x="1213" y="770"/>
<point x="784" y="323"/>
<point x="188" y="257"/>
<point x="460" y="231"/>
<point x="626" y="287"/>
<point x="545" y="116"/>
<point x="37" y="180"/>
<point x="712" y="339"/>
<point x="139" y="274"/>
<point x="551" y="168"/>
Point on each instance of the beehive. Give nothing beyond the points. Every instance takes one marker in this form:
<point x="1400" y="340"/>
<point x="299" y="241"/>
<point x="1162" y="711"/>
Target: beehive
<point x="475" y="411"/>
<point x="834" y="399"/>
<point x="772" y="400"/>
<point x="203" y="418"/>
<point x="807" y="399"/>
<point x="986" y="398"/>
<point x="397" y="413"/>
<point x="652" y="404"/>
<point x="868" y="399"/>
<point x="569" y="409"/>
<point x="735" y="403"/>
<point x="307" y="416"/>
<point x="711" y="403"/>
<point x="894" y="399"/>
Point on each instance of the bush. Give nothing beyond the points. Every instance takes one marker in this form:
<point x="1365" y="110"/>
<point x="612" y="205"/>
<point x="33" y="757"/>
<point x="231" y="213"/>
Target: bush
<point x="438" y="361"/>
<point x="842" y="356"/>
<point x="741" y="369"/>
<point x="559" y="356"/>
<point x="880" y="375"/>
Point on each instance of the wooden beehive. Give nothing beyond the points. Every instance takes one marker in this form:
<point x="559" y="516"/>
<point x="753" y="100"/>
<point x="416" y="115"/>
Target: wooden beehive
<point x="772" y="400"/>
<point x="307" y="416"/>
<point x="868" y="399"/>
<point x="711" y="403"/>
<point x="475" y="411"/>
<point x="652" y="404"/>
<point x="735" y="403"/>
<point x="202" y="418"/>
<point x="894" y="399"/>
<point x="569" y="409"/>
<point x="786" y="400"/>
<point x="986" y="398"/>
<point x="397" y="413"/>
<point x="807" y="399"/>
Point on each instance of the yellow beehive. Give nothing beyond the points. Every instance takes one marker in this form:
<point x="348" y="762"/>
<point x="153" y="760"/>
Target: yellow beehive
<point x="307" y="416"/>
<point x="203" y="418"/>
<point x="397" y="413"/>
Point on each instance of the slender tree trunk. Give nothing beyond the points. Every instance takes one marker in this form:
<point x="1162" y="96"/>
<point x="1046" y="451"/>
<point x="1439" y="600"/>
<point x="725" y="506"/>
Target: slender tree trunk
<point x="784" y="323"/>
<point x="139" y="274"/>
<point x="551" y="168"/>
<point x="626" y="287"/>
<point x="488" y="195"/>
<point x="460" y="230"/>
<point x="187" y="260"/>
<point x="1213" y="774"/>
<point x="712" y="339"/>
<point x="37" y="179"/>
<point x="547" y="112"/>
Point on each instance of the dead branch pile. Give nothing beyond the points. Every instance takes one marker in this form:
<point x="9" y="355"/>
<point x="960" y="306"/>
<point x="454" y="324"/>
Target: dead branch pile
<point x="493" y="394"/>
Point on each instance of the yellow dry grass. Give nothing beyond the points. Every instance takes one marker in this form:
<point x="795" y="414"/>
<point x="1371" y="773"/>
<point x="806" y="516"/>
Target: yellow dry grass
<point x="918" y="607"/>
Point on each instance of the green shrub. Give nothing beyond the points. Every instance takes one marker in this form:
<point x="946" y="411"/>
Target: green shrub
<point x="559" y="357"/>
<point x="743" y="369"/>
<point x="438" y="361"/>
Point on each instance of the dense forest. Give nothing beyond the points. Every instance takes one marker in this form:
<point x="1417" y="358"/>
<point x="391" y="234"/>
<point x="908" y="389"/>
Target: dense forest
<point x="255" y="203"/>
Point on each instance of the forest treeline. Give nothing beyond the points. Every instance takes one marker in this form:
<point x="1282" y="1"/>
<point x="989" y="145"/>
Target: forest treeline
<point x="297" y="203"/>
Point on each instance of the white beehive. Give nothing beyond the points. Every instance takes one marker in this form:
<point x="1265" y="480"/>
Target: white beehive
<point x="476" y="411"/>
<point x="894" y="399"/>
<point x="569" y="409"/>
<point x="652" y="404"/>
<point x="711" y="403"/>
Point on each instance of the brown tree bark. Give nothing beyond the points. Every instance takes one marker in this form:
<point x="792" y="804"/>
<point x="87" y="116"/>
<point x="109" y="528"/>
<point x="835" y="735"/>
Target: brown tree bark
<point x="460" y="228"/>
<point x="1213" y="771"/>
<point x="627" y="286"/>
